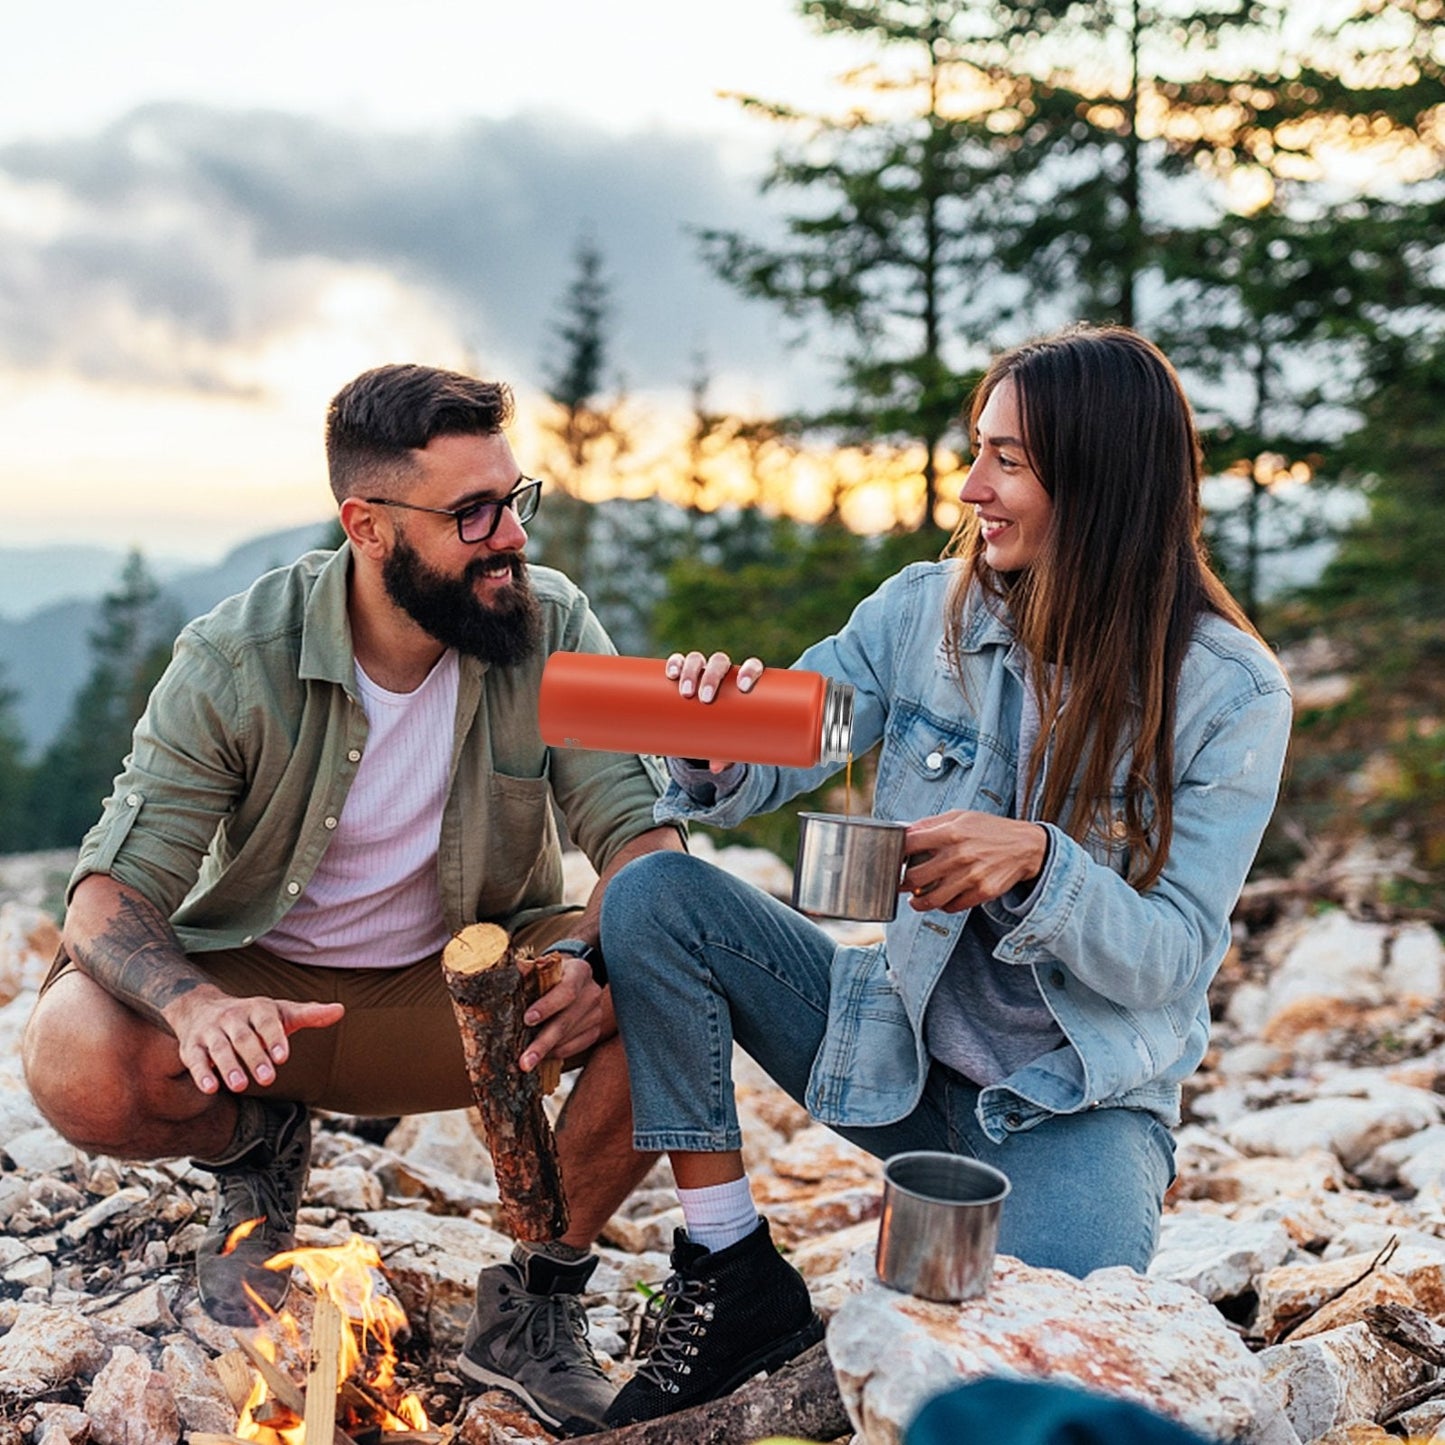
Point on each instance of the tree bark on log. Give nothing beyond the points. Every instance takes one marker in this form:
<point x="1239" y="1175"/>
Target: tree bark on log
<point x="801" y="1399"/>
<point x="491" y="987"/>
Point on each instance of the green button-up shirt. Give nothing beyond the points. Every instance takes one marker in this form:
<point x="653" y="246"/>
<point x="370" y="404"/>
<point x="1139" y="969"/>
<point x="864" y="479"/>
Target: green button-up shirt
<point x="244" y="756"/>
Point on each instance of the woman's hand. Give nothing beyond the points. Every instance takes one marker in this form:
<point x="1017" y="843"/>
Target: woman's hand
<point x="700" y="677"/>
<point x="958" y="860"/>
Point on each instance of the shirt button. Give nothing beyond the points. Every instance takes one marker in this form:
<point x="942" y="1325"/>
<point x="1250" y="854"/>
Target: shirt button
<point x="248" y="939"/>
<point x="293" y="888"/>
<point x="355" y="755"/>
<point x="1119" y="829"/>
<point x="331" y="822"/>
<point x="934" y="761"/>
<point x="1013" y="1120"/>
<point x="132" y="800"/>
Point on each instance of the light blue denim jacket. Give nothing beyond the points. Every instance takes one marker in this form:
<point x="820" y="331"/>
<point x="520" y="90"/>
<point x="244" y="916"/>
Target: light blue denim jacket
<point x="1126" y="975"/>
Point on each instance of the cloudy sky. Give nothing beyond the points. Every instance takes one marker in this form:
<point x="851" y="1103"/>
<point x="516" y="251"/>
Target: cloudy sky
<point x="211" y="217"/>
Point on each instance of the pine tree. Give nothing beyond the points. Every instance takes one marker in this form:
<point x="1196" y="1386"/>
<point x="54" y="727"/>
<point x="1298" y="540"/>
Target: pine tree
<point x="1377" y="759"/>
<point x="584" y="428"/>
<point x="15" y="825"/>
<point x="129" y="646"/>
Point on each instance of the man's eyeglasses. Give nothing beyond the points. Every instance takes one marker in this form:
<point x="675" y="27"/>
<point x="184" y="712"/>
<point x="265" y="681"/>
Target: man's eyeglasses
<point x="478" y="520"/>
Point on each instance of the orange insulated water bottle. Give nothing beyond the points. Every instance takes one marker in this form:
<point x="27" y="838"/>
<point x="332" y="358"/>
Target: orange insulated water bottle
<point x="629" y="705"/>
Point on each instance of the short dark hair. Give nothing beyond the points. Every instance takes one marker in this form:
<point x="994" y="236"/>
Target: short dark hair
<point x="375" y="422"/>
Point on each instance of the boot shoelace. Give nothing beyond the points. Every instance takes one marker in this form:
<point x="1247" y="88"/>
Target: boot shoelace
<point x="544" y="1319"/>
<point x="680" y="1313"/>
<point x="255" y="1194"/>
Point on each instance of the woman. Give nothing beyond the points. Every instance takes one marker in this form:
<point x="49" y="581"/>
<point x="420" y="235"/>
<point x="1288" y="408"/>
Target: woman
<point x="1085" y="736"/>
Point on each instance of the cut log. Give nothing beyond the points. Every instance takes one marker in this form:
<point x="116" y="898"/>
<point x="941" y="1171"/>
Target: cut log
<point x="800" y="1400"/>
<point x="490" y="995"/>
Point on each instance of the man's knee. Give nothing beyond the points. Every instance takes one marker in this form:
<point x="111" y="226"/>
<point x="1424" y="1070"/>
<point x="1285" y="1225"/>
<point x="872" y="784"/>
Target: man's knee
<point x="80" y="1068"/>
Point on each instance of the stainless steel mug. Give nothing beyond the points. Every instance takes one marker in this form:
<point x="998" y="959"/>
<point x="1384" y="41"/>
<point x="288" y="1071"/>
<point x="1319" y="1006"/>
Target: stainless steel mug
<point x="848" y="867"/>
<point x="939" y="1231"/>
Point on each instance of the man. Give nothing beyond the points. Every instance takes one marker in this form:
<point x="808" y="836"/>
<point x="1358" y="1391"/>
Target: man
<point x="340" y="769"/>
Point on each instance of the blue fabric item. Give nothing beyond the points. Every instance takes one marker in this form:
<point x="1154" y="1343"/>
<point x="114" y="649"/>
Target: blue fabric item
<point x="1040" y="1412"/>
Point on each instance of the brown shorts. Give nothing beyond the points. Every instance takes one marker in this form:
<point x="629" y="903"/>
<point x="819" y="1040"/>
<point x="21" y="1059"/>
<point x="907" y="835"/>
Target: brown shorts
<point x="397" y="1050"/>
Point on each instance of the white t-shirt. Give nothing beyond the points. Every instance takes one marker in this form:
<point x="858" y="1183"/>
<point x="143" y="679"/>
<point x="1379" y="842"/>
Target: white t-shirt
<point x="373" y="901"/>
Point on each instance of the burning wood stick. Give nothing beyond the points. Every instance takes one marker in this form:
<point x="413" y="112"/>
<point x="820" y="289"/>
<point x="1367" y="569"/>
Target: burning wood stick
<point x="288" y="1392"/>
<point x="490" y="995"/>
<point x="323" y="1368"/>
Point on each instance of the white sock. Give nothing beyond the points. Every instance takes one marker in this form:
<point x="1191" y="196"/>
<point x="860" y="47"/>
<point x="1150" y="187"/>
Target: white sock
<point x="719" y="1215"/>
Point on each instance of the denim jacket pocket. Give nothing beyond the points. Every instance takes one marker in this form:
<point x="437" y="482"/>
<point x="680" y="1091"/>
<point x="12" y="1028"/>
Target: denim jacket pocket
<point x="868" y="1070"/>
<point x="923" y="754"/>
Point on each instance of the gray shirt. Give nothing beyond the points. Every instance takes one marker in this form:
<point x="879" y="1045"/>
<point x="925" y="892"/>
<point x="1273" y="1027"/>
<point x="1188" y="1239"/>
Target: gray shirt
<point x="987" y="1019"/>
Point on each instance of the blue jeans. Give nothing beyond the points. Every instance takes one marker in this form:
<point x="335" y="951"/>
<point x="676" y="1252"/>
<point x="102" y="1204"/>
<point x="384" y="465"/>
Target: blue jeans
<point x="700" y="960"/>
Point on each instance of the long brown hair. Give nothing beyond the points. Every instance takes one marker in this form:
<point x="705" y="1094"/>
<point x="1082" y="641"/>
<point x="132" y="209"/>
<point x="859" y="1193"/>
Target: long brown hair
<point x="1108" y="606"/>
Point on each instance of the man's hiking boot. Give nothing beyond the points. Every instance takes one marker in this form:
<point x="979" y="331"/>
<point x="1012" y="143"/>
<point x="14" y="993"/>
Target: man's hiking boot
<point x="720" y="1319"/>
<point x="260" y="1179"/>
<point x="528" y="1335"/>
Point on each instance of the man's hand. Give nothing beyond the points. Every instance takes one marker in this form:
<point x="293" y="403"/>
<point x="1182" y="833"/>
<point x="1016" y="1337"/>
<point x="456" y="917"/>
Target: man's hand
<point x="574" y="1014"/>
<point x="230" y="1041"/>
<point x="961" y="859"/>
<point x="123" y="942"/>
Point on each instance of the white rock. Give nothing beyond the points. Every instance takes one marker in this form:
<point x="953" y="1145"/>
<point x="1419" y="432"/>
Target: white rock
<point x="1248" y="1060"/>
<point x="1248" y="1008"/>
<point x="447" y="1193"/>
<point x="1332" y="956"/>
<point x="71" y="1420"/>
<point x="1115" y="1332"/>
<point x="1414" y="1159"/>
<point x="40" y="1150"/>
<point x="14" y="1194"/>
<point x="349" y="1189"/>
<point x="132" y="1404"/>
<point x="433" y="1263"/>
<point x="446" y="1140"/>
<point x="1351" y="1128"/>
<point x="1337" y="1378"/>
<point x="34" y="1272"/>
<point x="201" y="1398"/>
<point x="1417" y="964"/>
<point x="1216" y="1256"/>
<point x="28" y="940"/>
<point x="758" y="866"/>
<point x="100" y="1213"/>
<point x="46" y="1347"/>
<point x="147" y="1309"/>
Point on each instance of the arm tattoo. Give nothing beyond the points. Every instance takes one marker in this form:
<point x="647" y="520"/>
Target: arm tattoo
<point x="137" y="958"/>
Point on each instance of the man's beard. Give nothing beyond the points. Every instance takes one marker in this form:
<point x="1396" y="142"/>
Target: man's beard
<point x="502" y="633"/>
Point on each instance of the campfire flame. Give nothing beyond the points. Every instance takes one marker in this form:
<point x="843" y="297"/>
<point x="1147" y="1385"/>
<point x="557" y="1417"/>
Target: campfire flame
<point x="346" y="1275"/>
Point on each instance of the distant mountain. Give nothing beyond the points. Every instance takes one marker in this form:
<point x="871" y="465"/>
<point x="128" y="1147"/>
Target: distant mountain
<point x="36" y="577"/>
<point x="45" y="655"/>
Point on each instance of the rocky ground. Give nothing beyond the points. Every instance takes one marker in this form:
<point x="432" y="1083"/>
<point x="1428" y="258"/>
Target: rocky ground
<point x="1307" y="1221"/>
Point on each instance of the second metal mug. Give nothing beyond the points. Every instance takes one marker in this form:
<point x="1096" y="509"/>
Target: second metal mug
<point x="939" y="1230"/>
<point x="848" y="867"/>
